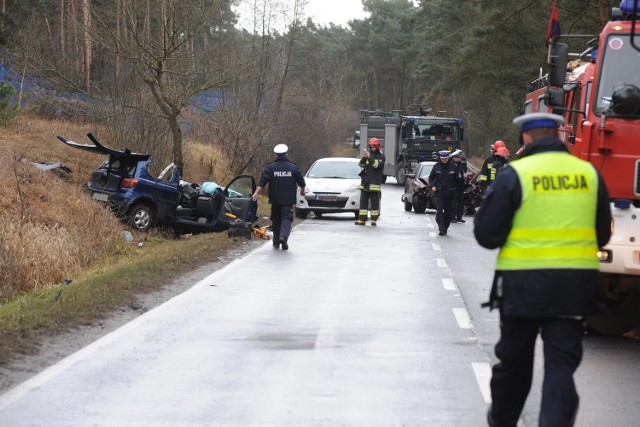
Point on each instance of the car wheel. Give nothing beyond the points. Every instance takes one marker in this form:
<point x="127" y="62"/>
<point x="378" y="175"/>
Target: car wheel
<point x="140" y="217"/>
<point x="407" y="206"/>
<point x="401" y="174"/>
<point x="301" y="214"/>
<point x="419" y="204"/>
<point x="318" y="214"/>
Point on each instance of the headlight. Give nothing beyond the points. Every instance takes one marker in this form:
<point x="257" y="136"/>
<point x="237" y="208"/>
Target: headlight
<point x="351" y="190"/>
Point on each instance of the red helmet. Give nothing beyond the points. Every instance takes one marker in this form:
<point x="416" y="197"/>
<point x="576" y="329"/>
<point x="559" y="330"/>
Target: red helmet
<point x="498" y="144"/>
<point x="373" y="142"/>
<point x="502" y="152"/>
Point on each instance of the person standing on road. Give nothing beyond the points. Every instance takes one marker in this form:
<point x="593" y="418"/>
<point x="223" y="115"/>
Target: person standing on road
<point x="372" y="163"/>
<point x="282" y="176"/>
<point x="549" y="213"/>
<point x="458" y="200"/>
<point x="443" y="180"/>
<point x="486" y="174"/>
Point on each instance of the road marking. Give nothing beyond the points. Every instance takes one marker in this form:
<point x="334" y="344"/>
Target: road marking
<point x="448" y="284"/>
<point x="482" y="372"/>
<point x="462" y="317"/>
<point x="441" y="262"/>
<point x="432" y="234"/>
<point x="436" y="247"/>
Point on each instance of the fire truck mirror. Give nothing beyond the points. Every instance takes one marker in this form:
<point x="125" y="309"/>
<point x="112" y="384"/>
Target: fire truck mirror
<point x="558" y="64"/>
<point x="554" y="97"/>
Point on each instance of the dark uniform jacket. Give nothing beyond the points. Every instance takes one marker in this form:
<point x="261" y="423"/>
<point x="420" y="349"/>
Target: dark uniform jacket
<point x="444" y="177"/>
<point x="461" y="170"/>
<point x="283" y="178"/>
<point x="541" y="292"/>
<point x="370" y="174"/>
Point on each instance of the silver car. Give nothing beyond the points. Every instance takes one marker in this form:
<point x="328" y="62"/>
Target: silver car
<point x="333" y="186"/>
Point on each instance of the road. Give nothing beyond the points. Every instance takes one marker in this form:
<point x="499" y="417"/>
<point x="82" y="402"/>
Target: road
<point x="353" y="326"/>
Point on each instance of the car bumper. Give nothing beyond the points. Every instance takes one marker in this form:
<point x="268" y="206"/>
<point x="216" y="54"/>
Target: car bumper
<point x="329" y="203"/>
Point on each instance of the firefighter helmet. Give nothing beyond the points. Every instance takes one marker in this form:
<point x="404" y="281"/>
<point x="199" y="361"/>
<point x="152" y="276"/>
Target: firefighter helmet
<point x="373" y="142"/>
<point x="498" y="144"/>
<point x="502" y="152"/>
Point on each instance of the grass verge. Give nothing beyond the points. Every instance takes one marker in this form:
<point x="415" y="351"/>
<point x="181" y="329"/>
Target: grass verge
<point x="102" y="289"/>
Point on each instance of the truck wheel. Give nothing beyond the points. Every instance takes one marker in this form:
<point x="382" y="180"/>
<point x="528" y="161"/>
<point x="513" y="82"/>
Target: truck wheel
<point x="401" y="173"/>
<point x="419" y="204"/>
<point x="140" y="217"/>
<point x="624" y="315"/>
<point x="407" y="206"/>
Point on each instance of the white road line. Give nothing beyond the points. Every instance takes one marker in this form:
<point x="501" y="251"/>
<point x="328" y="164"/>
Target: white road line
<point x="462" y="317"/>
<point x="430" y="225"/>
<point x="449" y="284"/>
<point x="482" y="372"/>
<point x="436" y="247"/>
<point x="432" y="234"/>
<point x="441" y="262"/>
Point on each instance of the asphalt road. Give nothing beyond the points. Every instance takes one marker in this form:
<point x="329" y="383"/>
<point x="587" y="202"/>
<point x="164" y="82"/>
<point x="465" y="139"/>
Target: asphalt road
<point x="353" y="326"/>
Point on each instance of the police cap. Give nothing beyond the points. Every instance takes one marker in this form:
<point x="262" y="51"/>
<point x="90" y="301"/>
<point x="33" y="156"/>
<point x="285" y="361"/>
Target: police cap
<point x="444" y="154"/>
<point x="538" y="120"/>
<point x="280" y="149"/>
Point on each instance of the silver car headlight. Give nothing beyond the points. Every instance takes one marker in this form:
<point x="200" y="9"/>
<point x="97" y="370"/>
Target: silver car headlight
<point x="351" y="190"/>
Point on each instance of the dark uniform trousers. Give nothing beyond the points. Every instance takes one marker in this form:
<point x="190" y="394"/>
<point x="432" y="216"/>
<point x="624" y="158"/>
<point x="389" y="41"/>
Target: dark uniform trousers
<point x="458" y="204"/>
<point x="512" y="376"/>
<point x="374" y="207"/>
<point x="444" y="205"/>
<point x="281" y="220"/>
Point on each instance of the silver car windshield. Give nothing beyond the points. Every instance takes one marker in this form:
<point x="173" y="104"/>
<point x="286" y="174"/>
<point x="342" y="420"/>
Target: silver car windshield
<point x="620" y="65"/>
<point x="341" y="170"/>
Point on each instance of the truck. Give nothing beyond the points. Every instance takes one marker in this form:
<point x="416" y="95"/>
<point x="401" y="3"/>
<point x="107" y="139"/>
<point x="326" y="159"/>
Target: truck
<point x="598" y="94"/>
<point x="408" y="140"/>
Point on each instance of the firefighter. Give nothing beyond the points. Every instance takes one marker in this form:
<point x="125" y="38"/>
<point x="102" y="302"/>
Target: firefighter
<point x="485" y="176"/>
<point x="443" y="180"/>
<point x="458" y="201"/>
<point x="548" y="213"/>
<point x="502" y="158"/>
<point x="372" y="163"/>
<point x="282" y="176"/>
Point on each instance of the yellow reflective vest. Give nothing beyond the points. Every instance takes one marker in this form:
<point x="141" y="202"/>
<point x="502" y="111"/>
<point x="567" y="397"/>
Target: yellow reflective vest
<point x="555" y="224"/>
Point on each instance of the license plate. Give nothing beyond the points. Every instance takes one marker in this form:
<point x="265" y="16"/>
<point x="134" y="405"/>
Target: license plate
<point x="100" y="196"/>
<point x="328" y="198"/>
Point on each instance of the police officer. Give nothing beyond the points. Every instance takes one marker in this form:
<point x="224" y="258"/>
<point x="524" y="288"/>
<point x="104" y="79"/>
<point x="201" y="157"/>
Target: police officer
<point x="372" y="163"/>
<point x="486" y="171"/>
<point x="548" y="212"/>
<point x="443" y="181"/>
<point x="458" y="200"/>
<point x="282" y="177"/>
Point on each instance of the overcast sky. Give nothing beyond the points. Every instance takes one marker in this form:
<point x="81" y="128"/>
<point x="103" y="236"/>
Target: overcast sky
<point x="321" y="11"/>
<point x="337" y="11"/>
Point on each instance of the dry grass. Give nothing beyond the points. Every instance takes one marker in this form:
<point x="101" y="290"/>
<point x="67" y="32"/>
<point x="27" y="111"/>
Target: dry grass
<point x="51" y="230"/>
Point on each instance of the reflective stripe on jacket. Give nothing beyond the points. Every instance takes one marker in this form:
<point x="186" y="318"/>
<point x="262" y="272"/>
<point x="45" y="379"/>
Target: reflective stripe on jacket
<point x="555" y="224"/>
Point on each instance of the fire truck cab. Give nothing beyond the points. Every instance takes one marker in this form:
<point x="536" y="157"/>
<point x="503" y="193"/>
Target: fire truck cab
<point x="599" y="96"/>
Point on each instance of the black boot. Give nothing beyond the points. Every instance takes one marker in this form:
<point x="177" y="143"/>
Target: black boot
<point x="283" y="243"/>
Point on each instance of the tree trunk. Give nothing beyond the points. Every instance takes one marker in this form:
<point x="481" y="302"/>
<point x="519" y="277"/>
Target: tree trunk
<point x="86" y="44"/>
<point x="176" y="133"/>
<point x="63" y="47"/>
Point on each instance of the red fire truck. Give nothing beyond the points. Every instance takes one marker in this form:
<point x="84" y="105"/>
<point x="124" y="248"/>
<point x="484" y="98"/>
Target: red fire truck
<point x="599" y="96"/>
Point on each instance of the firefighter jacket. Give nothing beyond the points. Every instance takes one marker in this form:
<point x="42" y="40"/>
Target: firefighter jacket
<point x="371" y="173"/>
<point x="549" y="213"/>
<point x="484" y="177"/>
<point x="445" y="177"/>
<point x="283" y="178"/>
<point x="495" y="168"/>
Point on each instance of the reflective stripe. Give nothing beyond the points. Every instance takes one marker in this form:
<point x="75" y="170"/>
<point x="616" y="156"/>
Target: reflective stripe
<point x="375" y="163"/>
<point x="552" y="233"/>
<point x="375" y="187"/>
<point x="375" y="213"/>
<point x="363" y="212"/>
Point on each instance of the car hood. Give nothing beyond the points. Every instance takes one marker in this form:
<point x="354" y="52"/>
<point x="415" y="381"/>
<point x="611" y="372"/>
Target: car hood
<point x="330" y="185"/>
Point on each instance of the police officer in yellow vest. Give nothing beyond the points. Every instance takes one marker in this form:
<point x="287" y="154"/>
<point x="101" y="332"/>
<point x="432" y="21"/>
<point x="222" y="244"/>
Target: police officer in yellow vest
<point x="548" y="212"/>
